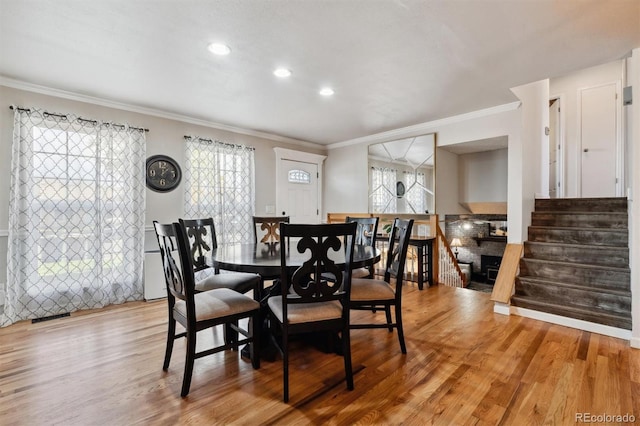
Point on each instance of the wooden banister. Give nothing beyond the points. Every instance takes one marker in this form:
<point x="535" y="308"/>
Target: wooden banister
<point x="505" y="282"/>
<point x="445" y="267"/>
<point x="449" y="272"/>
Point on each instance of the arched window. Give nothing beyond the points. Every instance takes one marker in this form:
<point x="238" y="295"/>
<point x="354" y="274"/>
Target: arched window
<point x="299" y="176"/>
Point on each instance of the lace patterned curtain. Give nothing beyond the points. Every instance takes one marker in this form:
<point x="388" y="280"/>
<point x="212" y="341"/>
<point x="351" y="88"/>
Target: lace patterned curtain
<point x="383" y="190"/>
<point x="220" y="183"/>
<point x="76" y="219"/>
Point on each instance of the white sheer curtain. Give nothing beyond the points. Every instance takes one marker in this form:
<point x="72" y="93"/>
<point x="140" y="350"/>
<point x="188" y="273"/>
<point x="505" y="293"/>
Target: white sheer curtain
<point x="76" y="215"/>
<point x="416" y="194"/>
<point x="220" y="183"/>
<point x="383" y="190"/>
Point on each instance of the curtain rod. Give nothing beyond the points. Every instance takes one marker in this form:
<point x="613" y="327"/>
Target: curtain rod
<point x="220" y="142"/>
<point x="64" y="117"/>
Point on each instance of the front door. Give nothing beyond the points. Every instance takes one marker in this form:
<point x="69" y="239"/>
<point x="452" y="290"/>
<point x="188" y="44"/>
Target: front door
<point x="298" y="194"/>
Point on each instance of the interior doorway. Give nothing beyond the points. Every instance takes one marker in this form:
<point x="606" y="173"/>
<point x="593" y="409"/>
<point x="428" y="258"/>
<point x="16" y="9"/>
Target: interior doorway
<point x="556" y="170"/>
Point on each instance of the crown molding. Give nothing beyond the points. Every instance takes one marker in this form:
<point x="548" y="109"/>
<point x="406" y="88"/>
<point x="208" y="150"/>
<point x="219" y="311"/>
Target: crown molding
<point x="44" y="90"/>
<point x="427" y="127"/>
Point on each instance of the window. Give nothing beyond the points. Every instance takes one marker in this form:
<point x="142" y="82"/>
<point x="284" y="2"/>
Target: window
<point x="220" y="183"/>
<point x="299" y="176"/>
<point x="77" y="215"/>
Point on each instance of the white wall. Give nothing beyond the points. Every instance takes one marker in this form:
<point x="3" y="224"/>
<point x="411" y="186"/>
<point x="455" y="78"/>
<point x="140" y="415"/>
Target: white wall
<point x="633" y="117"/>
<point x="527" y="176"/>
<point x="568" y="88"/>
<point x="165" y="136"/>
<point x="483" y="176"/>
<point x="346" y="180"/>
<point x="447" y="186"/>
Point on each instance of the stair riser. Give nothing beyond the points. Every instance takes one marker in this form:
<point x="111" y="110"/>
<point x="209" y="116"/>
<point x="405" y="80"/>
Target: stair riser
<point x="581" y="298"/>
<point x="580" y="220"/>
<point x="570" y="274"/>
<point x="618" y="205"/>
<point x="577" y="254"/>
<point x="624" y="323"/>
<point x="570" y="236"/>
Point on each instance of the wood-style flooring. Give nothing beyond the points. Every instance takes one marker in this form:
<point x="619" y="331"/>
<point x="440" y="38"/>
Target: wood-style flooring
<point x="465" y="365"/>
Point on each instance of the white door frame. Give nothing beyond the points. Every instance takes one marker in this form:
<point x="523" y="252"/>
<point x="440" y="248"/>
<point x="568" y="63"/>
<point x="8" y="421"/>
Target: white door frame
<point x="303" y="157"/>
<point x="560" y="134"/>
<point x="620" y="157"/>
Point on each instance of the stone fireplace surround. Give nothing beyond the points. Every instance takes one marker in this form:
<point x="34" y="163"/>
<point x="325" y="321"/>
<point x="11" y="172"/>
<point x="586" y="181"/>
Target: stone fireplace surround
<point x="474" y="231"/>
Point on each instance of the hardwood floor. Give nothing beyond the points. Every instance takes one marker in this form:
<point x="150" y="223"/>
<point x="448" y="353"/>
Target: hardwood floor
<point x="465" y="365"/>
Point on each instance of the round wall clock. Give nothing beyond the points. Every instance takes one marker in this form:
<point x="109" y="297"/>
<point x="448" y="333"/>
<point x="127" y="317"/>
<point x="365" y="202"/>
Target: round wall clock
<point x="400" y="189"/>
<point x="163" y="173"/>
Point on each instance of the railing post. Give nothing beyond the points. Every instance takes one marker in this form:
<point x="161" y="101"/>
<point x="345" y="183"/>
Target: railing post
<point x="433" y="225"/>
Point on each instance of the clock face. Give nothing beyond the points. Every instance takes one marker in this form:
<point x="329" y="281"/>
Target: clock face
<point x="163" y="173"/>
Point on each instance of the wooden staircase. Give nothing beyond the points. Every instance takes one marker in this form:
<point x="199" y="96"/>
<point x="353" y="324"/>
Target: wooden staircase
<point x="576" y="261"/>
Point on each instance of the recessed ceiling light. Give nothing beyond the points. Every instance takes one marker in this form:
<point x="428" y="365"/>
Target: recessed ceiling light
<point x="282" y="72"/>
<point x="219" y="49"/>
<point x="326" y="91"/>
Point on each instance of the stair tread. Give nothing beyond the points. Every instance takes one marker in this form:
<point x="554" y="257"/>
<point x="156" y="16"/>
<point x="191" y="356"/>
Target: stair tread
<point x="591" y="246"/>
<point x="574" y="212"/>
<point x="590" y="310"/>
<point x="585" y="265"/>
<point x="584" y="228"/>
<point x="608" y="290"/>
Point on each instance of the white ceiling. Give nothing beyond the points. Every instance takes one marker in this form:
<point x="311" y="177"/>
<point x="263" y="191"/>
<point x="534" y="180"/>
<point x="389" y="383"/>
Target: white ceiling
<point x="392" y="63"/>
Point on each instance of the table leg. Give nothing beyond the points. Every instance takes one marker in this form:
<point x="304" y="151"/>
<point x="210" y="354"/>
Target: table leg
<point x="420" y="249"/>
<point x="430" y="262"/>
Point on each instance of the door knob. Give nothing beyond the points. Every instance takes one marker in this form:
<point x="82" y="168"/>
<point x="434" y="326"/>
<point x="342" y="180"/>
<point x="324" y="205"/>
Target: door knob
<point x="586" y="150"/>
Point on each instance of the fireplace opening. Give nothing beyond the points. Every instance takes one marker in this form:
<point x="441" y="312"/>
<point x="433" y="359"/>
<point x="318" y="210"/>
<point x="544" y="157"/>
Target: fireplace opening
<point x="489" y="266"/>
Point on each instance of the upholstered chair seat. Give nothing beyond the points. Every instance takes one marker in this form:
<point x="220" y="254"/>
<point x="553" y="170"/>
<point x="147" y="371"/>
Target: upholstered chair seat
<point x="306" y="312"/>
<point x="238" y="281"/>
<point x="360" y="273"/>
<point x="371" y="289"/>
<point x="217" y="304"/>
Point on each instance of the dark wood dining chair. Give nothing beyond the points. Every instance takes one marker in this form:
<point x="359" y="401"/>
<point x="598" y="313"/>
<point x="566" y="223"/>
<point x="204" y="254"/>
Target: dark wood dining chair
<point x="309" y="302"/>
<point x="197" y="311"/>
<point x="365" y="235"/>
<point x="266" y="228"/>
<point x="381" y="294"/>
<point x="201" y="234"/>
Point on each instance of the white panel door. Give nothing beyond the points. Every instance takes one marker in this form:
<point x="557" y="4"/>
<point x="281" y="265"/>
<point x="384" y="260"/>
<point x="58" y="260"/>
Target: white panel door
<point x="299" y="194"/>
<point x="599" y="130"/>
<point x="554" y="146"/>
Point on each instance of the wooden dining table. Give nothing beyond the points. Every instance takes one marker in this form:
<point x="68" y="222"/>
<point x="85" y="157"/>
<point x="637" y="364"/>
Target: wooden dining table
<point x="264" y="258"/>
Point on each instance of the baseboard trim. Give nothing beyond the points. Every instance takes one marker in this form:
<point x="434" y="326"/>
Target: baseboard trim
<point x="501" y="308"/>
<point x="573" y="323"/>
<point x="635" y="342"/>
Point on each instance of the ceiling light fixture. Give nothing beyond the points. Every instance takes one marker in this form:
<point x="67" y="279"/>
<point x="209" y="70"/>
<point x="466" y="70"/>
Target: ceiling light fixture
<point x="282" y="72"/>
<point x="326" y="91"/>
<point x="219" y="49"/>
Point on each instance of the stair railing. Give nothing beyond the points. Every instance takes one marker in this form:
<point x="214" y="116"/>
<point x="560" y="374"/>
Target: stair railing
<point x="449" y="272"/>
